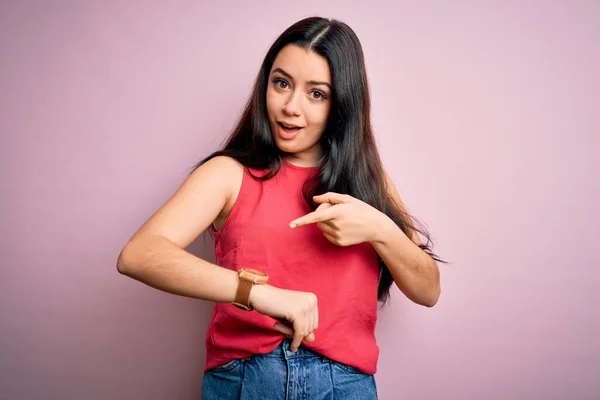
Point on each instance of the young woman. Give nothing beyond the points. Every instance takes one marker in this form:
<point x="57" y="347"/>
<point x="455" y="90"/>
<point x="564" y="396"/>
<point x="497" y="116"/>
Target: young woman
<point x="309" y="231"/>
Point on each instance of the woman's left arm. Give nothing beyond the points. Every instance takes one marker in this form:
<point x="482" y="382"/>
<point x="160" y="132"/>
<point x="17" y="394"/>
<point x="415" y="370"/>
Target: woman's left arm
<point x="346" y="221"/>
<point x="415" y="273"/>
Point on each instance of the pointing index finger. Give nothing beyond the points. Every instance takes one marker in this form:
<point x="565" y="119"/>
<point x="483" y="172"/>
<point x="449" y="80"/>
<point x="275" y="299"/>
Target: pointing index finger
<point x="309" y="218"/>
<point x="318" y="215"/>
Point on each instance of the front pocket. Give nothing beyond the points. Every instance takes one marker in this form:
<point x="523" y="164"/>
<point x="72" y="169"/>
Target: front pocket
<point x="346" y="368"/>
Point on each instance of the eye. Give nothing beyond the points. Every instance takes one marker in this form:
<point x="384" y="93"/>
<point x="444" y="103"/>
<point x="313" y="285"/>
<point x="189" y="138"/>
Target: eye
<point x="318" y="95"/>
<point x="281" y="83"/>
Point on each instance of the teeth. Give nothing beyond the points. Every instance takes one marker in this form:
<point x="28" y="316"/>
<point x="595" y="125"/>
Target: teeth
<point x="289" y="127"/>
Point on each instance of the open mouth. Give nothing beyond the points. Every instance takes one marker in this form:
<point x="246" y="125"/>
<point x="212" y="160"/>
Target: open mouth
<point x="289" y="128"/>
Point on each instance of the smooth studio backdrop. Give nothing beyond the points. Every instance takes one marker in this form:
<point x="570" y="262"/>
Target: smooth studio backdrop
<point x="486" y="114"/>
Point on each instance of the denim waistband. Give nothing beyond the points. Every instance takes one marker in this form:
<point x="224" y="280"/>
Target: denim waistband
<point x="283" y="351"/>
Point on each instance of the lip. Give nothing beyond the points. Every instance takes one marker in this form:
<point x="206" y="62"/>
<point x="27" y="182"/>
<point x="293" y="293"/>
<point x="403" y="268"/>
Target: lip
<point x="288" y="125"/>
<point x="286" y="134"/>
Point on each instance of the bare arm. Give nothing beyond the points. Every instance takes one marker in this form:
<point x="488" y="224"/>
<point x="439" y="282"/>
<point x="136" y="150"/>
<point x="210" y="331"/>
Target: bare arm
<point x="415" y="273"/>
<point x="156" y="254"/>
<point x="158" y="262"/>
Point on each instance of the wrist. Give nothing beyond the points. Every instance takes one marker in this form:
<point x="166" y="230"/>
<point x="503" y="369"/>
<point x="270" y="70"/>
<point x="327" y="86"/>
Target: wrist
<point x="258" y="293"/>
<point x="248" y="278"/>
<point x="385" y="229"/>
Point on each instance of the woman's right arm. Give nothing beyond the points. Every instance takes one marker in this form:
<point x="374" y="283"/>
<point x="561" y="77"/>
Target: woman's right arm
<point x="156" y="254"/>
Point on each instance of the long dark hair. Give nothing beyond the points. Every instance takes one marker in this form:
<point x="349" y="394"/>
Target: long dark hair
<point x="350" y="162"/>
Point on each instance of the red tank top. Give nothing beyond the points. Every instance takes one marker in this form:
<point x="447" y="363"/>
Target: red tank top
<point x="345" y="279"/>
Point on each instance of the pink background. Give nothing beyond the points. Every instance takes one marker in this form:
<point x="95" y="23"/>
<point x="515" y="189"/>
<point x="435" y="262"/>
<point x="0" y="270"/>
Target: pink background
<point x="487" y="119"/>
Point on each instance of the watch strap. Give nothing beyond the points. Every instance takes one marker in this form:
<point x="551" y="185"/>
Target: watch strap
<point x="242" y="295"/>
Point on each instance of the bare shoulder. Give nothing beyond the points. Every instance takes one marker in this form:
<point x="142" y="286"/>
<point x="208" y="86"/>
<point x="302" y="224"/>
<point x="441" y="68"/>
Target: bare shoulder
<point x="230" y="174"/>
<point x="222" y="173"/>
<point x="198" y="201"/>
<point x="222" y="168"/>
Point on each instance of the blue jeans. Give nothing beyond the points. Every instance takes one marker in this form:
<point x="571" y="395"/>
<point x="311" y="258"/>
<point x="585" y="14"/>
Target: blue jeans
<point x="283" y="375"/>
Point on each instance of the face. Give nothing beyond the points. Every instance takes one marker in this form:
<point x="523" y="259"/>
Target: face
<point x="298" y="102"/>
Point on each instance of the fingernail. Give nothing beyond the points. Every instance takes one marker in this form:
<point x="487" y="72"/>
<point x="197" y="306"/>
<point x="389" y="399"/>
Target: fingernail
<point x="292" y="226"/>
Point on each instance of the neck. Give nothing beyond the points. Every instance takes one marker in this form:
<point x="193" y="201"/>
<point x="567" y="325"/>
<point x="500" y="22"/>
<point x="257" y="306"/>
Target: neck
<point x="300" y="162"/>
<point x="308" y="158"/>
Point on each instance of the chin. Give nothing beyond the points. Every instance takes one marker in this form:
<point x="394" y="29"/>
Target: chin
<point x="287" y="147"/>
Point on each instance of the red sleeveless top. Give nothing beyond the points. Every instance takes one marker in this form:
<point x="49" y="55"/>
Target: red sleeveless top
<point x="344" y="279"/>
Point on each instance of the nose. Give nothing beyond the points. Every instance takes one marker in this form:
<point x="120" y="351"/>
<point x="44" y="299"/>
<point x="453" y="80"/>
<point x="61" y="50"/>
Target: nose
<point x="292" y="106"/>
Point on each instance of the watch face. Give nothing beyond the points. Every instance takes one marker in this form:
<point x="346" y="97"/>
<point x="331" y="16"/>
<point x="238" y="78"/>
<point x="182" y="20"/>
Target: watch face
<point x="254" y="276"/>
<point x="254" y="272"/>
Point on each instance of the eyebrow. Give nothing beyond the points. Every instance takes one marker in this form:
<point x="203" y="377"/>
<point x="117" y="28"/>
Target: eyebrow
<point x="310" y="82"/>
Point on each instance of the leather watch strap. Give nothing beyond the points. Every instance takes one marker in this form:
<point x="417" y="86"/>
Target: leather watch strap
<point x="242" y="295"/>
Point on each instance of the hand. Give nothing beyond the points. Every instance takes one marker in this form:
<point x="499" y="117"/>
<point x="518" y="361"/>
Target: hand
<point x="344" y="220"/>
<point x="297" y="312"/>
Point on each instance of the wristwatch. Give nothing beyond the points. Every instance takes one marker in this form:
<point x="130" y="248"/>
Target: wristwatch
<point x="248" y="277"/>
